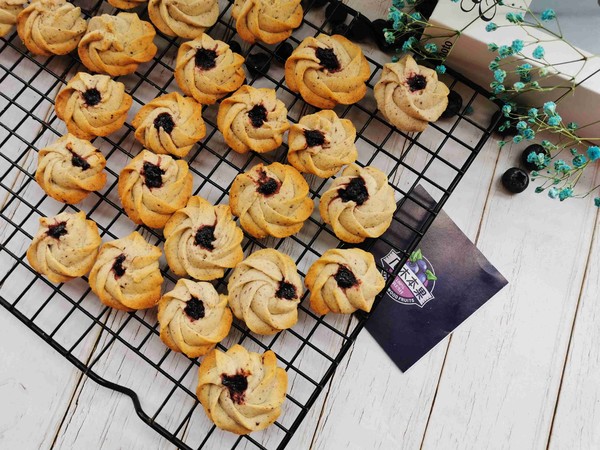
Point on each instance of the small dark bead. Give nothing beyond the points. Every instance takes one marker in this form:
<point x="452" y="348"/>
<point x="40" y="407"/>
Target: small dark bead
<point x="283" y="52"/>
<point x="258" y="64"/>
<point x="360" y="29"/>
<point x="336" y="12"/>
<point x="235" y="47"/>
<point x="455" y="103"/>
<point x="533" y="148"/>
<point x="515" y="180"/>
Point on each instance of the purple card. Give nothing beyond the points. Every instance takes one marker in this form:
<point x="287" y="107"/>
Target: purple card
<point x="445" y="281"/>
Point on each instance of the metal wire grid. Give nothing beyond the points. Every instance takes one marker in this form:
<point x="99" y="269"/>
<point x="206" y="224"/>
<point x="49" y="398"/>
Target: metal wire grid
<point x="123" y="351"/>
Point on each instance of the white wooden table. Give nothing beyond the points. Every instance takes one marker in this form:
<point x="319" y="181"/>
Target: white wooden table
<point x="522" y="373"/>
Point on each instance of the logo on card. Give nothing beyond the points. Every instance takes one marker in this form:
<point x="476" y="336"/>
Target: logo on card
<point x="414" y="283"/>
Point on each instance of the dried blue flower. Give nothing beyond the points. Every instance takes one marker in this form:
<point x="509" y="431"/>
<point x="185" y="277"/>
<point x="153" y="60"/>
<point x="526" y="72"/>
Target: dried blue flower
<point x="517" y="139"/>
<point x="554" y="121"/>
<point x="492" y="47"/>
<point x="499" y="75"/>
<point x="491" y="27"/>
<point x="548" y="14"/>
<point x="543" y="72"/>
<point x="528" y="134"/>
<point x="506" y="109"/>
<point x="579" y="161"/>
<point x="389" y="37"/>
<point x="430" y="47"/>
<point x="398" y="4"/>
<point x="521" y="125"/>
<point x="565" y="193"/>
<point x="501" y="144"/>
<point x="395" y="58"/>
<point x="535" y="85"/>
<point x="504" y="51"/>
<point x="493" y="65"/>
<point x="514" y="17"/>
<point x="416" y="16"/>
<point x="593" y="153"/>
<point x="440" y="69"/>
<point x="539" y="52"/>
<point x="597" y="202"/>
<point x="533" y="113"/>
<point x="408" y="44"/>
<point x="519" y="86"/>
<point x="572" y="126"/>
<point x="552" y="192"/>
<point x="499" y="88"/>
<point x="550" y="108"/>
<point x="561" y="166"/>
<point x="539" y="189"/>
<point x="517" y="45"/>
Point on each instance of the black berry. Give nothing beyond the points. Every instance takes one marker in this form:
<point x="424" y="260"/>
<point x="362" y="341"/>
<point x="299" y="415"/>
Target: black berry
<point x="236" y="385"/>
<point x="194" y="308"/>
<point x="117" y="266"/>
<point x="204" y="237"/>
<point x="235" y="47"/>
<point x="533" y="148"/>
<point x="345" y="278"/>
<point x="153" y="175"/>
<point x="355" y="191"/>
<point x="92" y="97"/>
<point x="416" y="82"/>
<point x="336" y="12"/>
<point x="78" y="161"/>
<point x="57" y="230"/>
<point x="286" y="290"/>
<point x="258" y="64"/>
<point x="314" y="138"/>
<point x="328" y="59"/>
<point x="283" y="52"/>
<point x="257" y="115"/>
<point x="164" y="121"/>
<point x="205" y="59"/>
<point x="515" y="180"/>
<point x="455" y="103"/>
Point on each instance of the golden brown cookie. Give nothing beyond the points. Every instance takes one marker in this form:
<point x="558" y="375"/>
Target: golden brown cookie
<point x="183" y="18"/>
<point x="328" y="70"/>
<point x="9" y="10"/>
<point x="93" y="105"/>
<point x="409" y="95"/>
<point x="51" y="27"/>
<point x="343" y="280"/>
<point x="117" y="45"/>
<point x="271" y="200"/>
<point x="65" y="246"/>
<point x="126" y="4"/>
<point x="152" y="187"/>
<point x="253" y="119"/>
<point x="193" y="318"/>
<point x="264" y="291"/>
<point x="126" y="275"/>
<point x="170" y="124"/>
<point x="269" y="21"/>
<point x="70" y="168"/>
<point x="359" y="204"/>
<point x="322" y="143"/>
<point x="202" y="240"/>
<point x="208" y="70"/>
<point x="241" y="391"/>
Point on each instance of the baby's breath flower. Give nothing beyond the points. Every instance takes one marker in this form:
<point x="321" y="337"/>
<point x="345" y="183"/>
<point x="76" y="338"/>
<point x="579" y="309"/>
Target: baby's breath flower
<point x="492" y="47"/>
<point x="519" y="86"/>
<point x="505" y="51"/>
<point x="518" y="138"/>
<point x="539" y="52"/>
<point x="398" y="4"/>
<point x="579" y="161"/>
<point x="389" y="37"/>
<point x="430" y="47"/>
<point x="514" y="17"/>
<point x="529" y="134"/>
<point x="572" y="126"/>
<point x="521" y="125"/>
<point x="535" y="85"/>
<point x="554" y="121"/>
<point x="565" y="193"/>
<point x="494" y="65"/>
<point x="506" y="109"/>
<point x="550" y="108"/>
<point x="561" y="166"/>
<point x="499" y="75"/>
<point x="552" y="192"/>
<point x="517" y="45"/>
<point x="543" y="72"/>
<point x="395" y="58"/>
<point x="440" y="69"/>
<point x="539" y="189"/>
<point x="533" y="113"/>
<point x="416" y="16"/>
<point x="491" y="27"/>
<point x="548" y="15"/>
<point x="597" y="202"/>
<point x="593" y="153"/>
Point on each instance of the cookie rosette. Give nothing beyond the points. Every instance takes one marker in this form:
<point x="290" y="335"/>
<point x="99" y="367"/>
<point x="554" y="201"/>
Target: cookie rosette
<point x="70" y="168"/>
<point x="127" y="4"/>
<point x="51" y="27"/>
<point x="202" y="240"/>
<point x="327" y="71"/>
<point x="93" y="105"/>
<point x="359" y="204"/>
<point x="264" y="291"/>
<point x="117" y="45"/>
<point x="170" y="124"/>
<point x="241" y="391"/>
<point x="9" y="10"/>
<point x="253" y="119"/>
<point x="183" y="18"/>
<point x="409" y="95"/>
<point x="126" y="275"/>
<point x="65" y="247"/>
<point x="343" y="281"/>
<point x="268" y="21"/>
<point x="152" y="187"/>
<point x="193" y="318"/>
<point x="271" y="200"/>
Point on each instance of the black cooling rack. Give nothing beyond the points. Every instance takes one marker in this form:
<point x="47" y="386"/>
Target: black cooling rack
<point x="122" y="351"/>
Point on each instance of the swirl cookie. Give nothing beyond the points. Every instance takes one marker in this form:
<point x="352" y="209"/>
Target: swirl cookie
<point x="152" y="187"/>
<point x="51" y="27"/>
<point x="241" y="391"/>
<point x="264" y="291"/>
<point x="343" y="281"/>
<point x="170" y="124"/>
<point x="271" y="200"/>
<point x="322" y="143"/>
<point x="117" y="45"/>
<point x="359" y="204"/>
<point x="183" y="18"/>
<point x="269" y="21"/>
<point x="92" y="105"/>
<point x="193" y="318"/>
<point x="126" y="275"/>
<point x="328" y="70"/>
<point x="69" y="169"/>
<point x="410" y="96"/>
<point x="208" y="70"/>
<point x="9" y="10"/>
<point x="253" y="119"/>
<point x="202" y="240"/>
<point x="65" y="247"/>
<point x="126" y="4"/>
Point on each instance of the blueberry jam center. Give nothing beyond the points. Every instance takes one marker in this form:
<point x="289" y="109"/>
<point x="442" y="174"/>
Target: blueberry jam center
<point x="417" y="83"/>
<point x="267" y="185"/>
<point x="78" y="161"/>
<point x="314" y="138"/>
<point x="57" y="230"/>
<point x="205" y="59"/>
<point x="117" y="266"/>
<point x="194" y="309"/>
<point x="236" y="385"/>
<point x="205" y="236"/>
<point x="153" y="175"/>
<point x="345" y="278"/>
<point x="164" y="121"/>
<point x="328" y="59"/>
<point x="355" y="191"/>
<point x="286" y="290"/>
<point x="92" y="97"/>
<point x="258" y="116"/>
